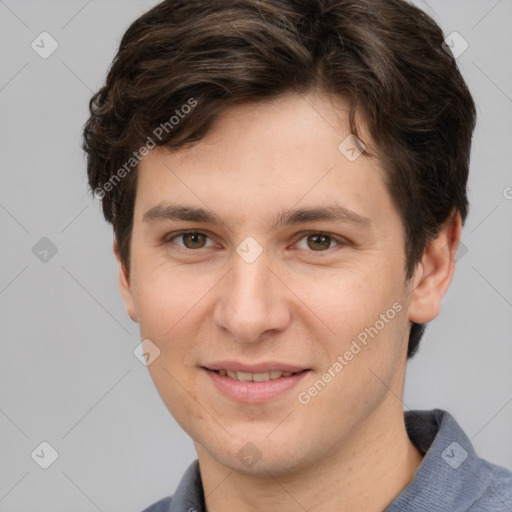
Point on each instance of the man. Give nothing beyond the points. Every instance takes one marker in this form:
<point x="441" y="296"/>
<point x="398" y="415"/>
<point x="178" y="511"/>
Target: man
<point x="287" y="186"/>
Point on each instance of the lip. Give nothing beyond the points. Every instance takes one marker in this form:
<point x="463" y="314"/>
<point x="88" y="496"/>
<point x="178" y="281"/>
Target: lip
<point x="265" y="366"/>
<point x="251" y="392"/>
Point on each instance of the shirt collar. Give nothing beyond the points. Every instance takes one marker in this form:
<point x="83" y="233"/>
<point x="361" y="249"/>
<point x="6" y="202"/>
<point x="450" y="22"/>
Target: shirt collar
<point x="451" y="476"/>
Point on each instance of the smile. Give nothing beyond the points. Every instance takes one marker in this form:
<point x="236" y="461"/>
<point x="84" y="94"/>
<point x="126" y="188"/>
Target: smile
<point x="255" y="377"/>
<point x="255" y="387"/>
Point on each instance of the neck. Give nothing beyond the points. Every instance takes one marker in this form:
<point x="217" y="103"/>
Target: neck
<point x="371" y="468"/>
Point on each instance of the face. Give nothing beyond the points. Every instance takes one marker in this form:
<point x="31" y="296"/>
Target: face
<point x="253" y="286"/>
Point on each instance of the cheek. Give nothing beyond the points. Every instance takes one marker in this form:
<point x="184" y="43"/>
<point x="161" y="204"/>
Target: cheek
<point x="367" y="322"/>
<point x="172" y="303"/>
<point x="161" y="293"/>
<point x="350" y="300"/>
<point x="365" y="358"/>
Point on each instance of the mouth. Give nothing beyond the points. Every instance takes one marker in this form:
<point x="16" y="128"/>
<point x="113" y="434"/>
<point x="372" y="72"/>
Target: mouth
<point x="254" y="387"/>
<point x="255" y="377"/>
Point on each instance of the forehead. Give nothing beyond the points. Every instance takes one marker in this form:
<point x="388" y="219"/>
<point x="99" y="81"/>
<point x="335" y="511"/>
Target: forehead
<point x="269" y="156"/>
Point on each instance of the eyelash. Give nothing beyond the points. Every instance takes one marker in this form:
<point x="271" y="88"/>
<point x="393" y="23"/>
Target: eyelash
<point x="340" y="241"/>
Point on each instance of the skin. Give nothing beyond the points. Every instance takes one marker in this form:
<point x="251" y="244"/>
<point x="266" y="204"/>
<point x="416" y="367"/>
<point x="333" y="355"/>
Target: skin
<point x="302" y="301"/>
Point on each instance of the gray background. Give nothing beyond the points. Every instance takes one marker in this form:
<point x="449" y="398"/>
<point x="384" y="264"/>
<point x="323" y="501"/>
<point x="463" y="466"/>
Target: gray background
<point x="68" y="373"/>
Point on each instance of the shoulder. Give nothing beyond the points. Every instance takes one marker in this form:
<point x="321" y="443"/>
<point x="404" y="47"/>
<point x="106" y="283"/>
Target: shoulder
<point x="496" y="488"/>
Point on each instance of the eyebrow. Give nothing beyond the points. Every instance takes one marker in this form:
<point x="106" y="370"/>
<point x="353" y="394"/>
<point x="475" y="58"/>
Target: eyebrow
<point x="285" y="217"/>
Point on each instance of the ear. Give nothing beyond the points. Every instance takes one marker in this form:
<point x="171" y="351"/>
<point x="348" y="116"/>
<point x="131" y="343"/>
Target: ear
<point x="125" y="285"/>
<point x="435" y="271"/>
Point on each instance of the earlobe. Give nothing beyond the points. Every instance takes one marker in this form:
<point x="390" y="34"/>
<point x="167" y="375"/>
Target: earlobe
<point x="434" y="273"/>
<point x="125" y="286"/>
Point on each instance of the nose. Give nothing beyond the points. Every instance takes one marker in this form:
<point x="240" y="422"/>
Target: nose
<point x="253" y="300"/>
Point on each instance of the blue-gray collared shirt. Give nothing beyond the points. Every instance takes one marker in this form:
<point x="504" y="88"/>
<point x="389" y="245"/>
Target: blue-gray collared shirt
<point x="451" y="477"/>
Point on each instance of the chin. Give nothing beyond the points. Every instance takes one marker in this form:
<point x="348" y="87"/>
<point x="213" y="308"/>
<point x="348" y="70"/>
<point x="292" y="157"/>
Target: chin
<point x="258" y="455"/>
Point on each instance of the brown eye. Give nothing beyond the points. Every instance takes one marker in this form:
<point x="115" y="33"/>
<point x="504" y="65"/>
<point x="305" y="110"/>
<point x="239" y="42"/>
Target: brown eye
<point x="196" y="240"/>
<point x="190" y="239"/>
<point x="319" y="241"/>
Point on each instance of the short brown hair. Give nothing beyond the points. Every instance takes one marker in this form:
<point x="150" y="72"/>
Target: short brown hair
<point x="385" y="56"/>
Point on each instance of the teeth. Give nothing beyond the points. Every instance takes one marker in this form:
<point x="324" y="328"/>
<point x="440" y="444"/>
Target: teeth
<point x="260" y="377"/>
<point x="256" y="377"/>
